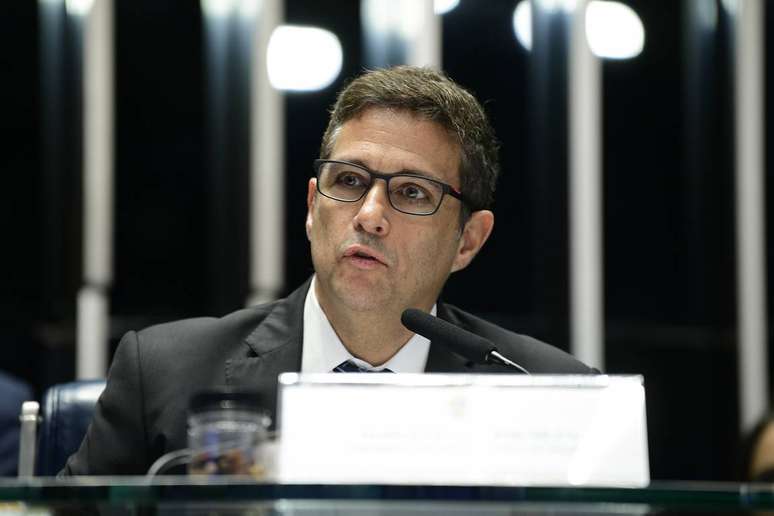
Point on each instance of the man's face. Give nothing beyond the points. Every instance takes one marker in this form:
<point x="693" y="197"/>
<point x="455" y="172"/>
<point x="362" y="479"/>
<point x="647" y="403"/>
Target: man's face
<point x="367" y="255"/>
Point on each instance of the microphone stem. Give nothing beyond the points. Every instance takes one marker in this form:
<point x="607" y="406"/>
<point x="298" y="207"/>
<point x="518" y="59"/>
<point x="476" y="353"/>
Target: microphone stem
<point x="494" y="357"/>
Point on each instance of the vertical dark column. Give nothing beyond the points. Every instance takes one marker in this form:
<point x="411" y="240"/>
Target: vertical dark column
<point x="701" y="286"/>
<point x="61" y="74"/>
<point x="387" y="51"/>
<point x="61" y="154"/>
<point x="396" y="33"/>
<point x="707" y="162"/>
<point x="548" y="112"/>
<point x="227" y="63"/>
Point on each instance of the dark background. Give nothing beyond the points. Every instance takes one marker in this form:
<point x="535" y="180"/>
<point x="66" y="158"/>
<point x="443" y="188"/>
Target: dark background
<point x="668" y="185"/>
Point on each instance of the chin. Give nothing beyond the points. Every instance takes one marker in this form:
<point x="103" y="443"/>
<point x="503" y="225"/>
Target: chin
<point x="362" y="298"/>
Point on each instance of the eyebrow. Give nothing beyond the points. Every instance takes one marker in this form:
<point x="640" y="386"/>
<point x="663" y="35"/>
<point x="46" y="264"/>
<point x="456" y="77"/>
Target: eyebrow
<point x="404" y="171"/>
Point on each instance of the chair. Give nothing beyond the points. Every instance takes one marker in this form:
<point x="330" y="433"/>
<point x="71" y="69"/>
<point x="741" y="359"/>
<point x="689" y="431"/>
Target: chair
<point x="66" y="415"/>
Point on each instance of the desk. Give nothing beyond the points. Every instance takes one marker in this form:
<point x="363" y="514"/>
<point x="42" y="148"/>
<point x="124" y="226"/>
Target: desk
<point x="237" y="495"/>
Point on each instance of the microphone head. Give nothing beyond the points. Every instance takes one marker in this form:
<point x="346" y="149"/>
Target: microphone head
<point x="471" y="346"/>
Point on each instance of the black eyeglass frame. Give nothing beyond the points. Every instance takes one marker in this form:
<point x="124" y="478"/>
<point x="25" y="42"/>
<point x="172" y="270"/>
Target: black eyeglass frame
<point x="446" y="189"/>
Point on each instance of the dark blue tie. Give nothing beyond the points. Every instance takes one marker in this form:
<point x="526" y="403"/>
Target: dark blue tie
<point x="350" y="367"/>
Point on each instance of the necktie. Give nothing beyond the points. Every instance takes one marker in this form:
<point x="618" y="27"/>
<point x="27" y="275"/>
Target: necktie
<point x="349" y="367"/>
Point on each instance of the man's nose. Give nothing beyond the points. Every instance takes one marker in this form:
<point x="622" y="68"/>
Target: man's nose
<point x="372" y="215"/>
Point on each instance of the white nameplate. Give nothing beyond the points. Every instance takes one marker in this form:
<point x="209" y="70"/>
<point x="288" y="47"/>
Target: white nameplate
<point x="462" y="429"/>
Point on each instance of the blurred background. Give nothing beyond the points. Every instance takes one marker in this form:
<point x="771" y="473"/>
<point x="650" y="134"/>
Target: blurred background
<point x="144" y="118"/>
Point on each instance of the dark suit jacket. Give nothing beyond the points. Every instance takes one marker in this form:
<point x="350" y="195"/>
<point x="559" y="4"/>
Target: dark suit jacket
<point x="142" y="413"/>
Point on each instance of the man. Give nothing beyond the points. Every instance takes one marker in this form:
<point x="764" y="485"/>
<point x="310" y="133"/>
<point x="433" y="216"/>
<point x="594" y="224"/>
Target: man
<point x="398" y="202"/>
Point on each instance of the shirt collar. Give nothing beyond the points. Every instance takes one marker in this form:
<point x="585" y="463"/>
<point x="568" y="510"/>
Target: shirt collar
<point x="323" y="350"/>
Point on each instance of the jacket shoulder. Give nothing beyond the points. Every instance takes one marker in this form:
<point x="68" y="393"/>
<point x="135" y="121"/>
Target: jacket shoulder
<point x="186" y="335"/>
<point x="535" y="356"/>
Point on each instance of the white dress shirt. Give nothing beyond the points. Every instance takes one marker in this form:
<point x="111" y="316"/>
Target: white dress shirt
<point x="322" y="349"/>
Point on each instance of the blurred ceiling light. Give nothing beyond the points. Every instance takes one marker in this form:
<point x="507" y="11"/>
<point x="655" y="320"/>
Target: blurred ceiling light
<point x="444" y="6"/>
<point x="303" y="58"/>
<point x="522" y="23"/>
<point x="78" y="7"/>
<point x="613" y="30"/>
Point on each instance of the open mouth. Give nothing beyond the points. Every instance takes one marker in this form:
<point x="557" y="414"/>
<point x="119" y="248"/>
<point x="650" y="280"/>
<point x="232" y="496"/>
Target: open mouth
<point x="362" y="256"/>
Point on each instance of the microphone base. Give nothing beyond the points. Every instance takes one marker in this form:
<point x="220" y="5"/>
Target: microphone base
<point x="494" y="357"/>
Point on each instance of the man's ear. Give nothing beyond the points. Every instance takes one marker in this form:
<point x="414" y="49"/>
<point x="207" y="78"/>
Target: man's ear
<point x="311" y="197"/>
<point x="475" y="233"/>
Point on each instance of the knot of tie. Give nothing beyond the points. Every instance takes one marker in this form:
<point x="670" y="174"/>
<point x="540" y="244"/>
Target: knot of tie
<point x="350" y="367"/>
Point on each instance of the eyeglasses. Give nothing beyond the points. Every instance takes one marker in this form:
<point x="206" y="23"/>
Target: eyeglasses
<point x="408" y="193"/>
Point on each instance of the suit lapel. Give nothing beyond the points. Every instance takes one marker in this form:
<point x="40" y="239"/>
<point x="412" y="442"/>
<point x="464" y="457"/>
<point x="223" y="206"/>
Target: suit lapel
<point x="442" y="360"/>
<point x="274" y="347"/>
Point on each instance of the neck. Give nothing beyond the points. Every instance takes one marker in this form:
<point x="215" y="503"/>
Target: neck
<point x="369" y="336"/>
<point x="373" y="336"/>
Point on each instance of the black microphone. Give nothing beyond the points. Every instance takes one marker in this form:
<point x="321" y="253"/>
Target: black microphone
<point x="474" y="347"/>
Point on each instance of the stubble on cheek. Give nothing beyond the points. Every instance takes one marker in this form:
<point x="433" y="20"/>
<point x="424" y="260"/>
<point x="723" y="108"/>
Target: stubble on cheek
<point x="323" y="253"/>
<point x="430" y="265"/>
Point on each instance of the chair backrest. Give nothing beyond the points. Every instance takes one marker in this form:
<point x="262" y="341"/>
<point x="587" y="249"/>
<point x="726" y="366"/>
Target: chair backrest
<point x="66" y="415"/>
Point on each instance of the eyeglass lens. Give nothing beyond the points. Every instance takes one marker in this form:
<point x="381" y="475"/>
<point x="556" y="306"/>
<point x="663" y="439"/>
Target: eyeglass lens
<point x="407" y="193"/>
